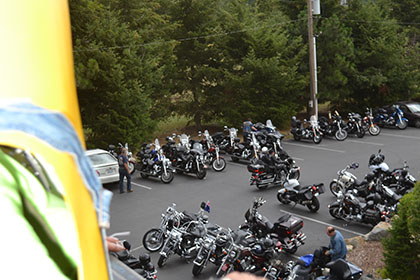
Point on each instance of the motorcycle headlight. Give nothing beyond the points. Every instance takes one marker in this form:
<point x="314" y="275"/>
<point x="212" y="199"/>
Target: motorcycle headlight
<point x="232" y="254"/>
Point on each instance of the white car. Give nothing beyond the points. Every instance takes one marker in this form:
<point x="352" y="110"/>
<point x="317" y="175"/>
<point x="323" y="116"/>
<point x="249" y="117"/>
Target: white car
<point x="105" y="165"/>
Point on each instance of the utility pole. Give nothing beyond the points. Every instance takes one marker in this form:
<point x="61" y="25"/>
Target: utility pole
<point x="313" y="103"/>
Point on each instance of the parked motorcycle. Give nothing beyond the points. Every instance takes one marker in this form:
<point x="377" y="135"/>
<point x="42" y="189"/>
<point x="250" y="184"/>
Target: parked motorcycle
<point x="262" y="177"/>
<point x="368" y="123"/>
<point x="354" y="125"/>
<point x="311" y="132"/>
<point x="185" y="240"/>
<point x="285" y="229"/>
<point x="153" y="162"/>
<point x="350" y="209"/>
<point x="345" y="180"/>
<point x="244" y="151"/>
<point x="336" y="128"/>
<point x="292" y="191"/>
<point x="396" y="118"/>
<point x="211" y="155"/>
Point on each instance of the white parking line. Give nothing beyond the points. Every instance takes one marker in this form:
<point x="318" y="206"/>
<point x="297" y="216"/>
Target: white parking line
<point x="296" y="158"/>
<point x="323" y="223"/>
<point x="237" y="164"/>
<point x="401" y="136"/>
<point x="364" y="142"/>
<point x="137" y="248"/>
<point x="315" y="147"/>
<point x="142" y="186"/>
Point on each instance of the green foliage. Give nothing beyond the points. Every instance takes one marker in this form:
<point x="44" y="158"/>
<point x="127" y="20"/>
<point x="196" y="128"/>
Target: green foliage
<point x="402" y="248"/>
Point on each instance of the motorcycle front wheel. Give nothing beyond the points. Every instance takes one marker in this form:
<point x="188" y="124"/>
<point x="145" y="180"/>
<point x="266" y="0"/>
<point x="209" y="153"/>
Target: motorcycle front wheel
<point x="295" y="175"/>
<point x="201" y="173"/>
<point x="153" y="240"/>
<point x="317" y="139"/>
<point x="166" y="179"/>
<point x="162" y="261"/>
<point x="360" y="133"/>
<point x="374" y="130"/>
<point x="196" y="270"/>
<point x="314" y="206"/>
<point x="402" y="125"/>
<point x="334" y="188"/>
<point x="219" y="165"/>
<point x="341" y="135"/>
<point x="334" y="212"/>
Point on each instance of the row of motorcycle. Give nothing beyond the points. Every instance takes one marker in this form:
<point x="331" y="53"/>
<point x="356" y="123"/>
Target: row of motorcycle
<point x="257" y="245"/>
<point x="373" y="199"/>
<point x="335" y="126"/>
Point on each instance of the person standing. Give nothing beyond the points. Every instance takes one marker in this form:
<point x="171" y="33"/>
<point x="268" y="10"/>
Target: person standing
<point x="124" y="170"/>
<point x="247" y="127"/>
<point x="337" y="248"/>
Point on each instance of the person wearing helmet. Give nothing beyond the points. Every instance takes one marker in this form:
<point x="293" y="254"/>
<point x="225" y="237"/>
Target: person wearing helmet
<point x="270" y="161"/>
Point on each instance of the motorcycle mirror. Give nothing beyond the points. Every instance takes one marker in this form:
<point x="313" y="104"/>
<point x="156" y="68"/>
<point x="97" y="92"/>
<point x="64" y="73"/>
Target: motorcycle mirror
<point x="225" y="127"/>
<point x="379" y="151"/>
<point x="127" y="245"/>
<point x="355" y="165"/>
<point x="112" y="147"/>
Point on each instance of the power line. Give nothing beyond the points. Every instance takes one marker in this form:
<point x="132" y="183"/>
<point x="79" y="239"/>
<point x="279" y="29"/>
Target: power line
<point x="222" y="34"/>
<point x="382" y="21"/>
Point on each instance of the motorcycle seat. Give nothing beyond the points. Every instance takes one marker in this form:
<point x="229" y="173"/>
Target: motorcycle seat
<point x="195" y="151"/>
<point x="340" y="269"/>
<point x="218" y="135"/>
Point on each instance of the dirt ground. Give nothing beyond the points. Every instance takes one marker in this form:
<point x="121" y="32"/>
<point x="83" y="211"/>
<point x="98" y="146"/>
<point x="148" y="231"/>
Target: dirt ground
<point x="368" y="256"/>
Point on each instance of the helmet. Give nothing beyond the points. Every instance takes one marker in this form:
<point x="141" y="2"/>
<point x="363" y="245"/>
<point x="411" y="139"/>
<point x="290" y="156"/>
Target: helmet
<point x="144" y="259"/>
<point x="268" y="243"/>
<point x="370" y="176"/>
<point x="264" y="150"/>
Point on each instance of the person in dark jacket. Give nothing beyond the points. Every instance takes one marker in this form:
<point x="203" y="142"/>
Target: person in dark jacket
<point x="337" y="248"/>
<point x="124" y="170"/>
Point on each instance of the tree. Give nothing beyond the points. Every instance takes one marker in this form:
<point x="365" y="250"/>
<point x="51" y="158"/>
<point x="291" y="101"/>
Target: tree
<point x="402" y="248"/>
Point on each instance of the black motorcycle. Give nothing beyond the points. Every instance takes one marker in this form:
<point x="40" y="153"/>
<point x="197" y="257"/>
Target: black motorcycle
<point x="292" y="191"/>
<point x="368" y="123"/>
<point x="153" y="162"/>
<point x="350" y="209"/>
<point x="354" y="125"/>
<point x="312" y="131"/>
<point x="285" y="229"/>
<point x="263" y="177"/>
<point x="336" y="128"/>
<point x="184" y="158"/>
<point x="212" y="155"/>
<point x="245" y="151"/>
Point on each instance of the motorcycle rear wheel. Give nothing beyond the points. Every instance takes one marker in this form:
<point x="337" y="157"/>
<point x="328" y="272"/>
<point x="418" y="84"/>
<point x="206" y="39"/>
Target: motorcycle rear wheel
<point x="360" y="133"/>
<point x="157" y="244"/>
<point x="196" y="270"/>
<point x="166" y="179"/>
<point x="314" y="206"/>
<point x="281" y="199"/>
<point x="374" y="130"/>
<point x="162" y="261"/>
<point x="219" y="165"/>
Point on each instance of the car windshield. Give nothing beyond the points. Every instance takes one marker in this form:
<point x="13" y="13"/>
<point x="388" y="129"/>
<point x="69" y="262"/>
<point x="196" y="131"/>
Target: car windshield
<point x="415" y="108"/>
<point x="103" y="158"/>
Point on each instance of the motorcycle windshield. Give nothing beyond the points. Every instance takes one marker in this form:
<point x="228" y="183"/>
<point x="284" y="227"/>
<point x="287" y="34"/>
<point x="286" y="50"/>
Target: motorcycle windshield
<point x="157" y="144"/>
<point x="233" y="132"/>
<point x="183" y="139"/>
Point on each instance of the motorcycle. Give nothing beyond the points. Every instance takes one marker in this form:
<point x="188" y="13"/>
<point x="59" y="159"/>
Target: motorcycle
<point x="211" y="155"/>
<point x="277" y="270"/>
<point x="131" y="159"/>
<point x="382" y="118"/>
<point x="312" y="131"/>
<point x="400" y="180"/>
<point x="337" y="128"/>
<point x="354" y="125"/>
<point x="349" y="208"/>
<point x="184" y="159"/>
<point x="213" y="248"/>
<point x="153" y="162"/>
<point x="285" y="229"/>
<point x="262" y="178"/>
<point x="369" y="125"/>
<point x="338" y="269"/>
<point x="306" y="196"/>
<point x="244" y="151"/>
<point x="345" y="180"/>
<point x="185" y="240"/>
<point x="226" y="143"/>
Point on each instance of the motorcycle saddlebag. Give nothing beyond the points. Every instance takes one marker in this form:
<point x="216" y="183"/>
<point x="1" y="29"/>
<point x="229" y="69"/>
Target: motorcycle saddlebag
<point x="287" y="225"/>
<point x="255" y="168"/>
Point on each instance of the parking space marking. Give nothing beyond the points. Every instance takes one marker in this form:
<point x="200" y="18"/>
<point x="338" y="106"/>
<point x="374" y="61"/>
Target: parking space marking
<point x="323" y="223"/>
<point x="296" y="158"/>
<point x="315" y="147"/>
<point x="401" y="136"/>
<point x="142" y="186"/>
<point x="364" y="142"/>
<point x="137" y="248"/>
<point x="236" y="164"/>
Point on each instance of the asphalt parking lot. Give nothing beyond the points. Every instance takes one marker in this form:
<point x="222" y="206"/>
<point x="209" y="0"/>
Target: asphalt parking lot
<point x="230" y="194"/>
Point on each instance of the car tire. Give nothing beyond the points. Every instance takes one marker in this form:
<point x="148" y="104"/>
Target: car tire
<point x="417" y="123"/>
